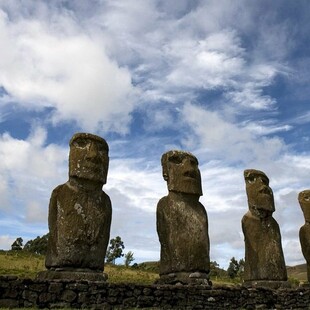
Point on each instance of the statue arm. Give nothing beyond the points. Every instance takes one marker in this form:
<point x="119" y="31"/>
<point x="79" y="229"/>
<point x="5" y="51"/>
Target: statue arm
<point x="246" y="222"/>
<point x="52" y="211"/>
<point x="161" y="224"/>
<point x="243" y="225"/>
<point x="108" y="218"/>
<point x="207" y="222"/>
<point x="53" y="232"/>
<point x="304" y="232"/>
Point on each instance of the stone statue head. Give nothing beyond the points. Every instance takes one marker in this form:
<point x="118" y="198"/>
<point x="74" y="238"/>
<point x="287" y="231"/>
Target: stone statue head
<point x="180" y="170"/>
<point x="304" y="201"/>
<point x="88" y="158"/>
<point x="260" y="195"/>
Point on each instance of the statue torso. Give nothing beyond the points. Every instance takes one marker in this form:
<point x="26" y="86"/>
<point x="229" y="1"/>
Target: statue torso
<point x="264" y="258"/>
<point x="79" y="223"/>
<point x="182" y="227"/>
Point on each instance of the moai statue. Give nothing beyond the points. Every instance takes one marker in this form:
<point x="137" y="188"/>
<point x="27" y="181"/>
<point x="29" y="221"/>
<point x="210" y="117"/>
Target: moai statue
<point x="182" y="223"/>
<point x="80" y="214"/>
<point x="264" y="260"/>
<point x="304" y="232"/>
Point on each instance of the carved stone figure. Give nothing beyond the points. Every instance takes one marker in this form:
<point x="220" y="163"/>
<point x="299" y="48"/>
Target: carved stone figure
<point x="182" y="222"/>
<point x="304" y="232"/>
<point x="80" y="213"/>
<point x="264" y="260"/>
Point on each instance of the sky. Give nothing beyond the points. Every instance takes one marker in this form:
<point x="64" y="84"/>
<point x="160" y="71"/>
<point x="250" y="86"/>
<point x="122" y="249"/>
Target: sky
<point x="225" y="80"/>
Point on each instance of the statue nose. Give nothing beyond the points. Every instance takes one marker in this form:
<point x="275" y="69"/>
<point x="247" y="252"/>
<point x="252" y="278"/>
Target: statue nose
<point x="92" y="151"/>
<point x="189" y="168"/>
<point x="189" y="164"/>
<point x="262" y="180"/>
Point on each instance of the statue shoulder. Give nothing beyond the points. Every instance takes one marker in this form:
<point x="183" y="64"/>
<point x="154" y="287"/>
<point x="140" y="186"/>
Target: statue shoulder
<point x="248" y="218"/>
<point x="58" y="189"/>
<point x="274" y="222"/>
<point x="106" y="199"/>
<point x="305" y="229"/>
<point x="247" y="215"/>
<point x="162" y="203"/>
<point x="202" y="207"/>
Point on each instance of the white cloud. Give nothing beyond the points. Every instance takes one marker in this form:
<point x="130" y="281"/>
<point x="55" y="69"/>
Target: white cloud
<point x="302" y="119"/>
<point x="264" y="127"/>
<point x="205" y="63"/>
<point x="4" y="196"/>
<point x="31" y="170"/>
<point x="47" y="65"/>
<point x="6" y="241"/>
<point x="292" y="252"/>
<point x="135" y="192"/>
<point x="58" y="64"/>
<point x="171" y="59"/>
<point x="251" y="97"/>
<point x="226" y="140"/>
<point x="35" y="212"/>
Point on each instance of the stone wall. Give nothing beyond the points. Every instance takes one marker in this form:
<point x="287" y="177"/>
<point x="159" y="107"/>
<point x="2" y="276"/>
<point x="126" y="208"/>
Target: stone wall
<point x="16" y="292"/>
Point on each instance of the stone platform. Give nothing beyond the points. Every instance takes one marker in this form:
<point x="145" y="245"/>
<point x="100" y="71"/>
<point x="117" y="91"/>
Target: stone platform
<point x="266" y="284"/>
<point x="69" y="294"/>
<point x="185" y="278"/>
<point x="72" y="274"/>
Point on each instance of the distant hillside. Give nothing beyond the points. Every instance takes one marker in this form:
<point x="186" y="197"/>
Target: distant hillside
<point x="298" y="272"/>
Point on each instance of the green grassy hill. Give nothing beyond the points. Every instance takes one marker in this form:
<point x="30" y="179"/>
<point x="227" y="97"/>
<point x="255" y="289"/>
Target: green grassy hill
<point x="20" y="263"/>
<point x="298" y="272"/>
<point x="26" y="265"/>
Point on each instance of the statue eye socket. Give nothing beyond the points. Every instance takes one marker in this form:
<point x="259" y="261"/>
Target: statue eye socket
<point x="251" y="179"/>
<point x="99" y="148"/>
<point x="80" y="143"/>
<point x="194" y="162"/>
<point x="175" y="159"/>
<point x="307" y="198"/>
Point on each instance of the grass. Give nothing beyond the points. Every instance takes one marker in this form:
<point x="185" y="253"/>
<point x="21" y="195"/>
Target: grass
<point x="121" y="274"/>
<point x="26" y="265"/>
<point x="20" y="263"/>
<point x="298" y="272"/>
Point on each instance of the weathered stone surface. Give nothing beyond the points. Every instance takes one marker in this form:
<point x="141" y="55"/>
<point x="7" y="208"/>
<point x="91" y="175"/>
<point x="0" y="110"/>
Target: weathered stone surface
<point x="264" y="258"/>
<point x="273" y="284"/>
<point x="182" y="222"/>
<point x="9" y="303"/>
<point x="55" y="287"/>
<point x="75" y="274"/>
<point x="304" y="232"/>
<point x="68" y="296"/>
<point x="79" y="211"/>
<point x="30" y="296"/>
<point x="116" y="296"/>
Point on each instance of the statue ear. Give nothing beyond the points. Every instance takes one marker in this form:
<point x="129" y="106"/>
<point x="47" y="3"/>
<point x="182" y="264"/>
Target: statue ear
<point x="165" y="175"/>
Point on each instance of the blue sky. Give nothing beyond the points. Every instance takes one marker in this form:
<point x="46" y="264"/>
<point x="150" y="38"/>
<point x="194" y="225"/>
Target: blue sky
<point x="225" y="80"/>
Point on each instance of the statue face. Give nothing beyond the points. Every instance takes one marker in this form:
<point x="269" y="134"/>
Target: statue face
<point x="180" y="170"/>
<point x="260" y="196"/>
<point x="88" y="157"/>
<point x="304" y="201"/>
